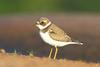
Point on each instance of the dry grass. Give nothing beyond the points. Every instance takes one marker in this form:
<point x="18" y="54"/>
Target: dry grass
<point x="11" y="60"/>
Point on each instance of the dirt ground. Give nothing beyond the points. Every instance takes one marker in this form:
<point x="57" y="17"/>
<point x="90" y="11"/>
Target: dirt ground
<point x="17" y="32"/>
<point x="12" y="60"/>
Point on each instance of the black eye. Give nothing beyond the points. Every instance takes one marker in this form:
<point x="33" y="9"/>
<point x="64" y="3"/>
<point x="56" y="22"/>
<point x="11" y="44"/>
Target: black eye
<point x="42" y="23"/>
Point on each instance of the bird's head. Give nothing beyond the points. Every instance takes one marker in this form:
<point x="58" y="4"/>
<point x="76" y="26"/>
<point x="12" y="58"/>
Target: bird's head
<point x="43" y="23"/>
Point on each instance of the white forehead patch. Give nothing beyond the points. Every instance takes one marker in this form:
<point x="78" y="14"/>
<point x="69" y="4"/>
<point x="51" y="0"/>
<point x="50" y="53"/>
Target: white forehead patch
<point x="37" y="22"/>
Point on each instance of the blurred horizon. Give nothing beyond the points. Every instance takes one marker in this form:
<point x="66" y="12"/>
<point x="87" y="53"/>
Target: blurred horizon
<point x="46" y="6"/>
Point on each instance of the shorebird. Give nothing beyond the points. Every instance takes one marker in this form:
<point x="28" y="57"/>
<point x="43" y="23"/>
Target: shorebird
<point x="53" y="35"/>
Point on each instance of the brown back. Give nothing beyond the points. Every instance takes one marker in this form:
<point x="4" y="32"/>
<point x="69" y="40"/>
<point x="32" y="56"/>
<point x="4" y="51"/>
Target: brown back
<point x="58" y="34"/>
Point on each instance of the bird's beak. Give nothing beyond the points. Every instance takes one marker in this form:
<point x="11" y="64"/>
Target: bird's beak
<point x="35" y="24"/>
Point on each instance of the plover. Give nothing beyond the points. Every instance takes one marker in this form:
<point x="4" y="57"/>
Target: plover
<point x="53" y="35"/>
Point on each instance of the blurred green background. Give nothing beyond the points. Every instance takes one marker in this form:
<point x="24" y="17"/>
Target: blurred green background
<point x="33" y="6"/>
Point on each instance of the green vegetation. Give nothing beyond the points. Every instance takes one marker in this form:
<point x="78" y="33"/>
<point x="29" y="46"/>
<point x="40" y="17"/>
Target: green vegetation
<point x="17" y="6"/>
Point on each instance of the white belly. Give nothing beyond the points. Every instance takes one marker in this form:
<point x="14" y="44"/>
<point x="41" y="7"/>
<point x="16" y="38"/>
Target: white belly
<point x="50" y="41"/>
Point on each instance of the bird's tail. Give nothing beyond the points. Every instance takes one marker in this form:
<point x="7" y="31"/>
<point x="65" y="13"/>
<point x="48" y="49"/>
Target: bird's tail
<point x="74" y="41"/>
<point x="78" y="43"/>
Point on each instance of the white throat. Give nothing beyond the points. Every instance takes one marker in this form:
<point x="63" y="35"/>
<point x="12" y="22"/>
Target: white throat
<point x="43" y="27"/>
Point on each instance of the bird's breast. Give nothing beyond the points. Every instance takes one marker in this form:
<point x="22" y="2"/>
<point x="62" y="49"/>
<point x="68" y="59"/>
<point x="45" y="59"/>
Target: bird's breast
<point x="46" y="38"/>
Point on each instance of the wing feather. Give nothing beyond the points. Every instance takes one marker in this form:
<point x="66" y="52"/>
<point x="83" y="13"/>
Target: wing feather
<point x="58" y="34"/>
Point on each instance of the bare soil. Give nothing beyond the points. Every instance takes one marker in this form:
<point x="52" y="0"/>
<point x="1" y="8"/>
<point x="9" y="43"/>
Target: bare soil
<point x="12" y="60"/>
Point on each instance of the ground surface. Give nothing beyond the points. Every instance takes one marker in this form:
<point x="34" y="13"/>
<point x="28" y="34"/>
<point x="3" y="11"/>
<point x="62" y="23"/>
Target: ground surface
<point x="12" y="60"/>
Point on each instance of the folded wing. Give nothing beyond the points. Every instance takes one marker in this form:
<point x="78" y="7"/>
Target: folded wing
<point x="58" y="34"/>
